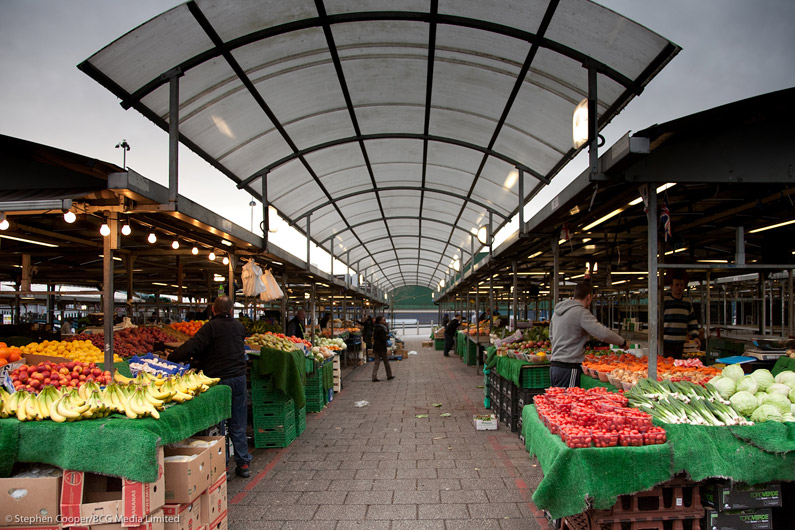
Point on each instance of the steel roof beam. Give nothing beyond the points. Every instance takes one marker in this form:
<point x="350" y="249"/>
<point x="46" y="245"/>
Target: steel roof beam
<point x="396" y="217"/>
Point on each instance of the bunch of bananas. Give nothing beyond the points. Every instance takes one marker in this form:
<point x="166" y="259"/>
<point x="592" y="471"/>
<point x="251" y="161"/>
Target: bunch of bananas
<point x="139" y="397"/>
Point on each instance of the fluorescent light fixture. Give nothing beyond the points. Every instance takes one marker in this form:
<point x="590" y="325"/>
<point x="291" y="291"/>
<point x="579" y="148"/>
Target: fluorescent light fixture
<point x="152" y="238"/>
<point x="576" y="277"/>
<point x="628" y="272"/>
<point x="636" y="201"/>
<point x="713" y="261"/>
<point x="675" y="251"/>
<point x="785" y="223"/>
<point x="218" y="278"/>
<point x="31" y="241"/>
<point x="277" y="262"/>
<point x="510" y="180"/>
<point x="531" y="273"/>
<point x="175" y="286"/>
<point x="535" y="255"/>
<point x="575" y="210"/>
<point x="660" y="189"/>
<point x="579" y="124"/>
<point x="227" y="243"/>
<point x="175" y="244"/>
<point x="560" y="242"/>
<point x="158" y="283"/>
<point x="126" y="230"/>
<point x="194" y="251"/>
<point x="605" y="218"/>
<point x="69" y="216"/>
<point x="306" y="296"/>
<point x="590" y="247"/>
<point x="586" y="239"/>
<point x="620" y="282"/>
<point x="116" y="258"/>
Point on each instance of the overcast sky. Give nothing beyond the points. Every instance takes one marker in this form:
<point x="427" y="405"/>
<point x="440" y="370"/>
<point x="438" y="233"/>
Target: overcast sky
<point x="732" y="49"/>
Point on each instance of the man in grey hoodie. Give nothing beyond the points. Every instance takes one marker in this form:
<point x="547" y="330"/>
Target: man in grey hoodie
<point x="571" y="325"/>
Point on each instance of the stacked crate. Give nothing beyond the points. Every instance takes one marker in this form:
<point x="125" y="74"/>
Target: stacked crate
<point x="273" y="415"/>
<point x="300" y="420"/>
<point x="337" y="374"/>
<point x="315" y="399"/>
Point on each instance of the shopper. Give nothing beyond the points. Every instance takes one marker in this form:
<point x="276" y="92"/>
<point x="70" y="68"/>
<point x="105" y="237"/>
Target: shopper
<point x="571" y="326"/>
<point x="66" y="328"/>
<point x="449" y="334"/>
<point x="324" y="321"/>
<point x="295" y="327"/>
<point x="679" y="318"/>
<point x="445" y="320"/>
<point x="217" y="348"/>
<point x="380" y="337"/>
<point x="367" y="332"/>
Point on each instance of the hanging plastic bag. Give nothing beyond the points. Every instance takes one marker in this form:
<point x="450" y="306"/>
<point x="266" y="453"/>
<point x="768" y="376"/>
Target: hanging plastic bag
<point x="272" y="290"/>
<point x="252" y="281"/>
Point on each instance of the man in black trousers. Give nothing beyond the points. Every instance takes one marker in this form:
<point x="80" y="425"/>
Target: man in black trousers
<point x="449" y="334"/>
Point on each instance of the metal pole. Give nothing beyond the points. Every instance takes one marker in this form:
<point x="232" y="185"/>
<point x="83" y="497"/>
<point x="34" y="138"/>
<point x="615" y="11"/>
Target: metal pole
<point x="308" y="240"/>
<point x="514" y="267"/>
<point x="314" y="312"/>
<point x="770" y="313"/>
<point x="266" y="221"/>
<point x="790" y="303"/>
<point x="762" y="303"/>
<point x="109" y="243"/>
<point x="555" y="274"/>
<point x="491" y="298"/>
<point x="651" y="219"/>
<point x="491" y="234"/>
<point x="708" y="317"/>
<point x="231" y="279"/>
<point x="593" y="124"/>
<point x="521" y="202"/>
<point x="173" y="140"/>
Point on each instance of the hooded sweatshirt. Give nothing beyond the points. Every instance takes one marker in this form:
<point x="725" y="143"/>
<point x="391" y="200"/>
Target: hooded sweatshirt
<point x="569" y="329"/>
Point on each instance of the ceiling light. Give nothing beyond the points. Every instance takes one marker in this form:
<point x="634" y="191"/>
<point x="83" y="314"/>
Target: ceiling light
<point x="152" y="238"/>
<point x="126" y="230"/>
<point x="636" y="201"/>
<point x="590" y="247"/>
<point x="69" y="216"/>
<point x="3" y="221"/>
<point x="620" y="282"/>
<point x="161" y="284"/>
<point x="211" y="257"/>
<point x="483" y="235"/>
<point x="755" y="230"/>
<point x="175" y="244"/>
<point x="586" y="239"/>
<point x="712" y="261"/>
<point x="535" y="255"/>
<point x="510" y="180"/>
<point x="114" y="257"/>
<point x="675" y="251"/>
<point x="531" y="273"/>
<point x="219" y="278"/>
<point x="194" y="251"/>
<point x="225" y="260"/>
<point x="26" y="240"/>
<point x="605" y="218"/>
<point x="579" y="124"/>
<point x="578" y="276"/>
<point x="660" y="189"/>
<point x="227" y="243"/>
<point x="575" y="210"/>
<point x="629" y="272"/>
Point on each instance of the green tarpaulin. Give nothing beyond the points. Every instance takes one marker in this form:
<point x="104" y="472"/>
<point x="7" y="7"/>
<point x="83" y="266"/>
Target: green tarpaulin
<point x="578" y="479"/>
<point x="783" y="364"/>
<point x="491" y="357"/>
<point x="286" y="370"/>
<point x="115" y="445"/>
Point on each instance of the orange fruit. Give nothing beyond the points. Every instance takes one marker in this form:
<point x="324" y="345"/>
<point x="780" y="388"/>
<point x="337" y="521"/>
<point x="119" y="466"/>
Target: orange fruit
<point x="3" y="362"/>
<point x="4" y="352"/>
<point x="14" y="357"/>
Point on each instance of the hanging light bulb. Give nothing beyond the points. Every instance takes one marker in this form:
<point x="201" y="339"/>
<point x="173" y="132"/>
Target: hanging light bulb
<point x="69" y="216"/>
<point x="194" y="251"/>
<point x="104" y="230"/>
<point x="211" y="257"/>
<point x="126" y="230"/>
<point x="175" y="244"/>
<point x="152" y="238"/>
<point x="226" y="260"/>
<point x="595" y="267"/>
<point x="3" y="221"/>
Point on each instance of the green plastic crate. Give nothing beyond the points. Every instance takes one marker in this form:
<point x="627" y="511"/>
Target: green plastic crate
<point x="300" y="420"/>
<point x="531" y="376"/>
<point x="438" y="344"/>
<point x="272" y="438"/>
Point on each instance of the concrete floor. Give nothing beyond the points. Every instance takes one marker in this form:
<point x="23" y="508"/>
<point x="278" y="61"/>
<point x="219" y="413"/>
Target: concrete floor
<point x="381" y="467"/>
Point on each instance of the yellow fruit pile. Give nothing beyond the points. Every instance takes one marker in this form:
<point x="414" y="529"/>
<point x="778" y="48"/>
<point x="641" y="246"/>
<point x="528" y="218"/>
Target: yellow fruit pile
<point x="78" y="350"/>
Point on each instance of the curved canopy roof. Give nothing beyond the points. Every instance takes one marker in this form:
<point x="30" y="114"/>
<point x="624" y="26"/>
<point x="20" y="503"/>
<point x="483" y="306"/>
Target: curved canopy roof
<point x="394" y="124"/>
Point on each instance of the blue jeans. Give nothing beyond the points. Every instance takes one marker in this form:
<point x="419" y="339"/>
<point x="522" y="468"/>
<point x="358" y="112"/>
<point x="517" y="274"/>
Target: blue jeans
<point x="238" y="422"/>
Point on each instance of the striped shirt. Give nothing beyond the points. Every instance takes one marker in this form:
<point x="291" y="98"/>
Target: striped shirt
<point x="679" y="319"/>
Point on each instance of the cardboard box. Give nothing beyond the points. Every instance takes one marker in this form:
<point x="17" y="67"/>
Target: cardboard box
<point x="725" y="496"/>
<point x="760" y="519"/>
<point x="87" y="496"/>
<point x="153" y="521"/>
<point x="222" y="523"/>
<point x="185" y="481"/>
<point x="217" y="456"/>
<point x="214" y="502"/>
<point x="30" y="501"/>
<point x="482" y="424"/>
<point x="183" y="516"/>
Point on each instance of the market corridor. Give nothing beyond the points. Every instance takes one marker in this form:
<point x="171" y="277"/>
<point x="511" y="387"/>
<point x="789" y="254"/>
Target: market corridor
<point x="381" y="467"/>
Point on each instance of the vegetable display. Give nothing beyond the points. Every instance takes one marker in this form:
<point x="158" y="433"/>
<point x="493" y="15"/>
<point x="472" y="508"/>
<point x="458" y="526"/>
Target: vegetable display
<point x="331" y="344"/>
<point x="630" y="369"/>
<point x="759" y="395"/>
<point x="277" y="341"/>
<point x="595" y="416"/>
<point x="76" y="350"/>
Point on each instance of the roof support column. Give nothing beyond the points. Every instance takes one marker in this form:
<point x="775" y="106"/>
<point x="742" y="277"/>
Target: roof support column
<point x="521" y="203"/>
<point x="129" y="261"/>
<point x="653" y="281"/>
<point x="491" y="298"/>
<point x="491" y="233"/>
<point x="553" y="284"/>
<point x="593" y="125"/>
<point x="791" y="303"/>
<point x="308" y="240"/>
<point x="265" y="211"/>
<point x="708" y="319"/>
<point x="173" y="138"/>
<point x="314" y="313"/>
<point x="231" y="278"/>
<point x="514" y="268"/>
<point x="110" y="243"/>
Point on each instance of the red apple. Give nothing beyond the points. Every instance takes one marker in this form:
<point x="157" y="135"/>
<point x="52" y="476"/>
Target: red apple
<point x="37" y="376"/>
<point x="81" y="377"/>
<point x="96" y="371"/>
<point x="35" y="383"/>
<point x="47" y="381"/>
<point x="64" y="370"/>
<point x="23" y="377"/>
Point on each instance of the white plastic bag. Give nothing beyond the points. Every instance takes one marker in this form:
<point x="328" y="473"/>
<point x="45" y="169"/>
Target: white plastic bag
<point x="272" y="290"/>
<point x="252" y="281"/>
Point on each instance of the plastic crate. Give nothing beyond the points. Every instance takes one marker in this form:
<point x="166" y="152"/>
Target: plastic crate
<point x="300" y="420"/>
<point x="531" y="376"/>
<point x="438" y="344"/>
<point x="272" y="438"/>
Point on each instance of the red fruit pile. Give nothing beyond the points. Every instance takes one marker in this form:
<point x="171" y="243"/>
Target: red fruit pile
<point x="595" y="416"/>
<point x="33" y="378"/>
<point x="130" y="341"/>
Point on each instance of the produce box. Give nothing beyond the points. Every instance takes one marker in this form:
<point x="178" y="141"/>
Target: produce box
<point x="30" y="497"/>
<point x="154" y="521"/>
<point x="183" y="516"/>
<point x="725" y="496"/>
<point x="222" y="523"/>
<point x="187" y="477"/>
<point x="88" y="495"/>
<point x="214" y="502"/>
<point x="759" y="519"/>
<point x="217" y="455"/>
<point x="485" y="422"/>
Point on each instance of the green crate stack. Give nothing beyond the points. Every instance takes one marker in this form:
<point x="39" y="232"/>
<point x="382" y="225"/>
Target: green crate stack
<point x="300" y="420"/>
<point x="273" y="415"/>
<point x="438" y="344"/>
<point x="534" y="376"/>
<point x="471" y="353"/>
<point x="315" y="399"/>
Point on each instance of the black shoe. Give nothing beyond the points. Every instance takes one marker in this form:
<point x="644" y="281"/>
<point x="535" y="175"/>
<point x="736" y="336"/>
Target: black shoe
<point x="376" y="380"/>
<point x="390" y="377"/>
<point x="242" y="471"/>
<point x="447" y="355"/>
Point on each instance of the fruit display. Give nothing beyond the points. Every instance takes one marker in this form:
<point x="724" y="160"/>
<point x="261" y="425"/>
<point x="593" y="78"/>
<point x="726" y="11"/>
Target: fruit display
<point x="144" y="396"/>
<point x="130" y="341"/>
<point x="595" y="417"/>
<point x="74" y="349"/>
<point x="758" y="395"/>
<point x="189" y="328"/>
<point x="481" y="330"/>
<point x="321" y="353"/>
<point x="259" y="326"/>
<point x="74" y="374"/>
<point x="627" y="368"/>
<point x="331" y="344"/>
<point x="9" y="354"/>
<point x="276" y="341"/>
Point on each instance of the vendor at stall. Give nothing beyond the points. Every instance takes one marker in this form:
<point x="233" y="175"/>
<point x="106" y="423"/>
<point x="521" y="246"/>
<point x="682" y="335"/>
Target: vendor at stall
<point x="571" y="326"/>
<point x="295" y="327"/>
<point x="679" y="317"/>
<point x="217" y="349"/>
<point x="449" y="334"/>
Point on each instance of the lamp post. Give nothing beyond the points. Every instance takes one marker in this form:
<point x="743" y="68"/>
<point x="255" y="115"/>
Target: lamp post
<point x="124" y="146"/>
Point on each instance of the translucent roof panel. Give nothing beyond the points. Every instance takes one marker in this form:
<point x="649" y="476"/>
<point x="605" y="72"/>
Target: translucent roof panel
<point x="333" y="102"/>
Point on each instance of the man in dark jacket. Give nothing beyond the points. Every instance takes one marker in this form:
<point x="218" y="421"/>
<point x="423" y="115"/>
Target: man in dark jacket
<point x="380" y="336"/>
<point x="295" y="327"/>
<point x="217" y="348"/>
<point x="367" y="332"/>
<point x="449" y="334"/>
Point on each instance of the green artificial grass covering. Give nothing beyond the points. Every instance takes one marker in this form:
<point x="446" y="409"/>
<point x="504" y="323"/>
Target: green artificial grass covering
<point x="510" y="368"/>
<point x="577" y="479"/>
<point x="115" y="445"/>
<point x="491" y="357"/>
<point x="287" y="371"/>
<point x="783" y="364"/>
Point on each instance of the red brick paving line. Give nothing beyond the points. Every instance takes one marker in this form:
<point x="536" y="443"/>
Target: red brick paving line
<point x="269" y="467"/>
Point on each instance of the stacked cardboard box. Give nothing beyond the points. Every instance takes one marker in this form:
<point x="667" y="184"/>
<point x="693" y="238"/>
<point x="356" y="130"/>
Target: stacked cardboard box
<point x="732" y="506"/>
<point x="31" y="498"/>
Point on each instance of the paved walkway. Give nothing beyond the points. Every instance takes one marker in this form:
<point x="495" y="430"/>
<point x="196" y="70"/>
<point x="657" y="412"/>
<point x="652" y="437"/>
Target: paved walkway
<point x="381" y="467"/>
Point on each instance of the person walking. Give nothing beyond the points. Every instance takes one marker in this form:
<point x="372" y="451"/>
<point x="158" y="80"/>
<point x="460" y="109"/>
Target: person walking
<point x="449" y="334"/>
<point x="679" y="318"/>
<point x="295" y="327"/>
<point x="217" y="348"/>
<point x="380" y="337"/>
<point x="571" y="326"/>
<point x="367" y="332"/>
